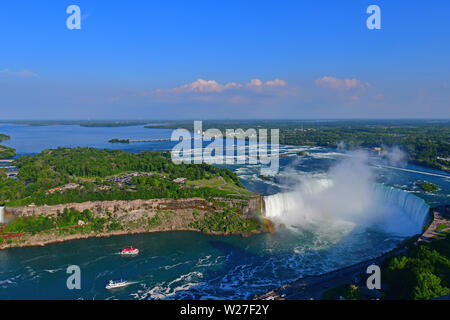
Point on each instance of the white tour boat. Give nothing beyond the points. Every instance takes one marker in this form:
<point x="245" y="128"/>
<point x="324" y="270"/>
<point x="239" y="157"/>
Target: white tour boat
<point x="116" y="284"/>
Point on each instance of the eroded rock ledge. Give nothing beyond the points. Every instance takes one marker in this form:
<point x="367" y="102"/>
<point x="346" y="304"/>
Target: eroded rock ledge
<point x="135" y="217"/>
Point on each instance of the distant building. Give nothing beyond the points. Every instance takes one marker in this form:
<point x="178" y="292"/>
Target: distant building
<point x="62" y="189"/>
<point x="53" y="190"/>
<point x="180" y="180"/>
<point x="377" y="150"/>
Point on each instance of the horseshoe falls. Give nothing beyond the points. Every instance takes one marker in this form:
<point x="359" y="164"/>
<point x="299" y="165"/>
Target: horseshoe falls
<point x="391" y="209"/>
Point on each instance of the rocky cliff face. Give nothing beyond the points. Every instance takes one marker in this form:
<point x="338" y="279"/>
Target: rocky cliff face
<point x="142" y="216"/>
<point x="139" y="208"/>
<point x="255" y="207"/>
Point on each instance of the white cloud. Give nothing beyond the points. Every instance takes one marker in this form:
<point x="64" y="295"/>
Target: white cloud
<point x="213" y="91"/>
<point x="212" y="86"/>
<point x="22" y="73"/>
<point x="276" y="83"/>
<point x="340" y="84"/>
<point x="201" y="85"/>
<point x="255" y="83"/>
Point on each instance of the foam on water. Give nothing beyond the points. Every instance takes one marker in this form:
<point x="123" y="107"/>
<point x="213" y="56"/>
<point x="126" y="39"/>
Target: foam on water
<point x="166" y="290"/>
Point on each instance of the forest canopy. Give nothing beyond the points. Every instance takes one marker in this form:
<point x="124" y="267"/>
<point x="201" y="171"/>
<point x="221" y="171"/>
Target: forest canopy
<point x="65" y="175"/>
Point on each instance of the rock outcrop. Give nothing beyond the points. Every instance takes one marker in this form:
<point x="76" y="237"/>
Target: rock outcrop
<point x="135" y="209"/>
<point x="119" y="207"/>
<point x="137" y="216"/>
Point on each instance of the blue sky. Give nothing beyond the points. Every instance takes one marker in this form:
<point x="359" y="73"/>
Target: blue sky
<point x="224" y="59"/>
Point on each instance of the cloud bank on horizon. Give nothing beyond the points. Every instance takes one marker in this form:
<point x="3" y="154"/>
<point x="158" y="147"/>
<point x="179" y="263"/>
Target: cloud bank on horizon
<point x="207" y="86"/>
<point x="254" y="91"/>
<point x="325" y="97"/>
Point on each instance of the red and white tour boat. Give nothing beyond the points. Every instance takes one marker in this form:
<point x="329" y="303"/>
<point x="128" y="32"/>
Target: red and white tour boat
<point x="129" y="251"/>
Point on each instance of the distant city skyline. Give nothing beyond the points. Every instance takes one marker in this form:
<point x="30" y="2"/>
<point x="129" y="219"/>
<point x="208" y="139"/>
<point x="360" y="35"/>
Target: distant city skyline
<point x="179" y="60"/>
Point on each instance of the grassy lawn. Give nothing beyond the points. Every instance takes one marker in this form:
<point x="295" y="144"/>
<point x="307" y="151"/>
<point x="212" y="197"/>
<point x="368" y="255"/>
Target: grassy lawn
<point x="219" y="183"/>
<point x="211" y="183"/>
<point x="441" y="227"/>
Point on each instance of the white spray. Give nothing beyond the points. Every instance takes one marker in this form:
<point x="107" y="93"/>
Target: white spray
<point x="2" y="213"/>
<point x="347" y="193"/>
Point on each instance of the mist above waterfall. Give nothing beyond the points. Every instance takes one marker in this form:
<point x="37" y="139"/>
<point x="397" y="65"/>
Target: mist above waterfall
<point x="395" y="155"/>
<point x="347" y="193"/>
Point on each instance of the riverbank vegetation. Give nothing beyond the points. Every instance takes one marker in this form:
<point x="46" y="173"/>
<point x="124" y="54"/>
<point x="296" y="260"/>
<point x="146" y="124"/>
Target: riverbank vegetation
<point x="84" y="221"/>
<point x="81" y="123"/>
<point x="230" y="220"/>
<point x="422" y="273"/>
<point x="345" y="291"/>
<point x="67" y="175"/>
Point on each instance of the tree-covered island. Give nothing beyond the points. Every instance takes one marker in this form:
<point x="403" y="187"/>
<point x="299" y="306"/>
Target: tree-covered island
<point x="115" y="140"/>
<point x="427" y="186"/>
<point x="6" y="152"/>
<point x="66" y="193"/>
<point x="4" y="137"/>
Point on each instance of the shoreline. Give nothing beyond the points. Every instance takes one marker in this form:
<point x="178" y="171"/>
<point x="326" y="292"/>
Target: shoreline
<point x="123" y="233"/>
<point x="311" y="287"/>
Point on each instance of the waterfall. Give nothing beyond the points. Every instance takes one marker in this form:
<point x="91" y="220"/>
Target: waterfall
<point x="415" y="207"/>
<point x="311" y="204"/>
<point x="278" y="204"/>
<point x="2" y="212"/>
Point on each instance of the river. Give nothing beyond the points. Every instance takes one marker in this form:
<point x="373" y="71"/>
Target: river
<point x="184" y="265"/>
